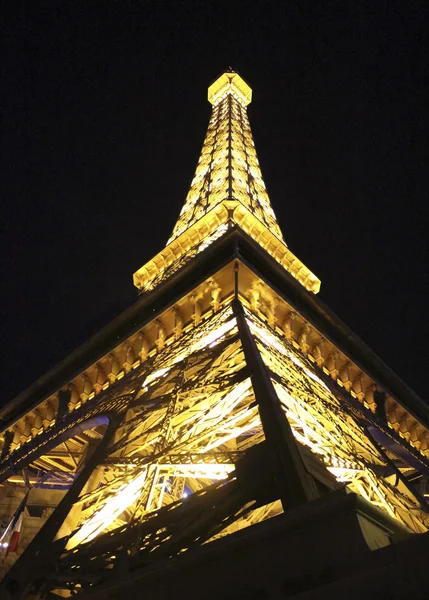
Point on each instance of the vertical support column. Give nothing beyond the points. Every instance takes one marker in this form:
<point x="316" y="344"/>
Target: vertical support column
<point x="230" y="190"/>
<point x="295" y="485"/>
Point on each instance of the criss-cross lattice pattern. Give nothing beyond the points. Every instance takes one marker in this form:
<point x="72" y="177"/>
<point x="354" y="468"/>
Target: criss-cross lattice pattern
<point x="186" y="456"/>
<point x="190" y="420"/>
<point x="228" y="169"/>
<point x="330" y="429"/>
<point x="195" y="415"/>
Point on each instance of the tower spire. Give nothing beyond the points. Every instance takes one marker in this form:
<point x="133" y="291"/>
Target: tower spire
<point x="228" y="169"/>
<point x="227" y="191"/>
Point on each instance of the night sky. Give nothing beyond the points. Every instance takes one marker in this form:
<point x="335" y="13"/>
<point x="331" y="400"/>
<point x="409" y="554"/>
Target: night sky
<point x="104" y="113"/>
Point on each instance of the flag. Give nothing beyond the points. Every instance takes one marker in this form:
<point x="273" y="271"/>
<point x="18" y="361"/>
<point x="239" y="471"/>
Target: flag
<point x="14" y="527"/>
<point x="14" y="538"/>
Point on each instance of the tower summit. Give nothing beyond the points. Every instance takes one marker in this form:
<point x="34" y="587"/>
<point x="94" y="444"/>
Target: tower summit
<point x="227" y="191"/>
<point x="228" y="169"/>
<point x="226" y="419"/>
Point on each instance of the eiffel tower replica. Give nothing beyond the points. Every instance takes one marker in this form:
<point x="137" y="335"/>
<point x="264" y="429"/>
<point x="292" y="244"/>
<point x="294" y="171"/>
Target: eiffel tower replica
<point x="225" y="430"/>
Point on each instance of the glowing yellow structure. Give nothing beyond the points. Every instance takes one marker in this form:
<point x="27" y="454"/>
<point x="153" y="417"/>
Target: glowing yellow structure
<point x="225" y="396"/>
<point x="227" y="189"/>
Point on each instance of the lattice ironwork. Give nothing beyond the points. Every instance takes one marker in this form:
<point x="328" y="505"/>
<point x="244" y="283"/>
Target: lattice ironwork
<point x="228" y="169"/>
<point x="227" y="189"/>
<point x="330" y="427"/>
<point x="171" y="477"/>
<point x="198" y="426"/>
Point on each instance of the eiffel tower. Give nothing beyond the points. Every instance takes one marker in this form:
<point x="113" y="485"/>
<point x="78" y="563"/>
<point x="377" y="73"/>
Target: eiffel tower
<point x="227" y="404"/>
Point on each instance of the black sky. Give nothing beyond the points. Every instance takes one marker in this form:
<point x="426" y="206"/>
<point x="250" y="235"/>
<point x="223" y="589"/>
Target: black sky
<point x="104" y="112"/>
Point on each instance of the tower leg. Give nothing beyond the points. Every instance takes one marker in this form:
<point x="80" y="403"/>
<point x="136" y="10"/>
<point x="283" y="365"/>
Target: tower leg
<point x="295" y="484"/>
<point x="16" y="584"/>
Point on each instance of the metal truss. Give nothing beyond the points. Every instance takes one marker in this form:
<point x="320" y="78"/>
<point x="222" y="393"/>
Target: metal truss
<point x="332" y="429"/>
<point x="190" y="458"/>
<point x="228" y="168"/>
<point x="194" y="398"/>
<point x="227" y="190"/>
<point x="188" y="434"/>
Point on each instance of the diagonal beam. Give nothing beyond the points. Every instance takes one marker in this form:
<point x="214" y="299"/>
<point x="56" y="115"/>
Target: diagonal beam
<point x="295" y="485"/>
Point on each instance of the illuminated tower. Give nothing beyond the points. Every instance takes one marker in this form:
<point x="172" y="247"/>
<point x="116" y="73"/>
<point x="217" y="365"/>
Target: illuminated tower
<point x="225" y="400"/>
